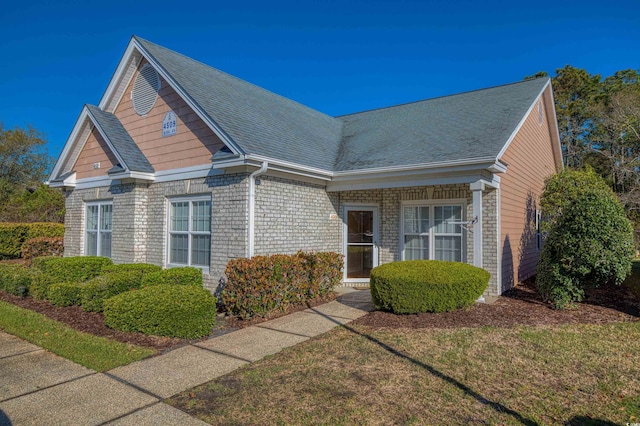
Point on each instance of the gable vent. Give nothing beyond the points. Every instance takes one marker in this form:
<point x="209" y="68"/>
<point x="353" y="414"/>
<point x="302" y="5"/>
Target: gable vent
<point x="145" y="90"/>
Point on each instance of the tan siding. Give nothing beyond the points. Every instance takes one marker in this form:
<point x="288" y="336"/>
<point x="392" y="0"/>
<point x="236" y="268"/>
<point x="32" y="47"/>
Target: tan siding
<point x="95" y="150"/>
<point x="530" y="159"/>
<point x="193" y="144"/>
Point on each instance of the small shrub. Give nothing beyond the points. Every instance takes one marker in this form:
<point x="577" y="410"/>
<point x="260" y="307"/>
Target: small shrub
<point x="71" y="269"/>
<point x="42" y="246"/>
<point x="415" y="286"/>
<point x="175" y="276"/>
<point x="265" y="284"/>
<point x="15" y="279"/>
<point x="164" y="310"/>
<point x="64" y="294"/>
<point x="95" y="291"/>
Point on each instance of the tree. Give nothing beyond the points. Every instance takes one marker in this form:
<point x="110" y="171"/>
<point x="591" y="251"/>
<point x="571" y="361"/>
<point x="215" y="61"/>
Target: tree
<point x="24" y="163"/>
<point x="590" y="239"/>
<point x="575" y="93"/>
<point x="23" y="159"/>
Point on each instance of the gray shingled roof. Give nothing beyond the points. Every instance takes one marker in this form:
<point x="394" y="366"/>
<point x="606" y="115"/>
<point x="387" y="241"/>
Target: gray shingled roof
<point x="466" y="126"/>
<point x="121" y="141"/>
<point x="258" y="121"/>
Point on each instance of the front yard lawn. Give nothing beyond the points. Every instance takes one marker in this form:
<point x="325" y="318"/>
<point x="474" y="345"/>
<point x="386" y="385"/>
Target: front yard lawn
<point x="573" y="374"/>
<point x="97" y="353"/>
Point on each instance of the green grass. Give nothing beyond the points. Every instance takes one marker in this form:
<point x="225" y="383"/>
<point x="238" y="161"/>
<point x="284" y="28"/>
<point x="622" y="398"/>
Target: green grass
<point x="574" y="374"/>
<point x="97" y="353"/>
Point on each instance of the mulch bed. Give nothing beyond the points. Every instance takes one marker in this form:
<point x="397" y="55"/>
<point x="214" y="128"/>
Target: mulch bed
<point x="93" y="322"/>
<point x="521" y="306"/>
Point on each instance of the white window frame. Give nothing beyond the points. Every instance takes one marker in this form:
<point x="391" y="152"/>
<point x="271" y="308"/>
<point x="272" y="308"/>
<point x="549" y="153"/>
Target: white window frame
<point x="190" y="232"/>
<point x="99" y="232"/>
<point x="431" y="204"/>
<point x="538" y="230"/>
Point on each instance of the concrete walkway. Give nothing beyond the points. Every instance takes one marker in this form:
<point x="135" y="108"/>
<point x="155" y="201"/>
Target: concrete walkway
<point x="40" y="388"/>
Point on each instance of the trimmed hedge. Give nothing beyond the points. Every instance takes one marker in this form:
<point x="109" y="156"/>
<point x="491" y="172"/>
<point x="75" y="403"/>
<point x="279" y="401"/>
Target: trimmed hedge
<point x="64" y="294"/>
<point x="42" y="246"/>
<point x="415" y="286"/>
<point x="54" y="270"/>
<point x="13" y="235"/>
<point x="71" y="269"/>
<point x="175" y="276"/>
<point x="165" y="310"/>
<point x="143" y="268"/>
<point x="265" y="284"/>
<point x="15" y="279"/>
<point x="94" y="292"/>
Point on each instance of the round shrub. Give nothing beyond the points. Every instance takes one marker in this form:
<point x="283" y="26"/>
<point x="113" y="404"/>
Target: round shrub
<point x="94" y="292"/>
<point x="590" y="243"/>
<point x="415" y="286"/>
<point x="71" y="269"/>
<point x="163" y="310"/>
<point x="64" y="294"/>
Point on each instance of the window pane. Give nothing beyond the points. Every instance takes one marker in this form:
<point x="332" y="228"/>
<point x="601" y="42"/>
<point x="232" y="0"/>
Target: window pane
<point x="201" y="221"/>
<point x="179" y="249"/>
<point x="91" y="248"/>
<point x="359" y="261"/>
<point x="180" y="216"/>
<point x="92" y="217"/>
<point x="105" y="216"/>
<point x="416" y="247"/>
<point x="105" y="244"/>
<point x="444" y="214"/>
<point x="200" y="250"/>
<point x="448" y="248"/>
<point x="416" y="220"/>
<point x="360" y="226"/>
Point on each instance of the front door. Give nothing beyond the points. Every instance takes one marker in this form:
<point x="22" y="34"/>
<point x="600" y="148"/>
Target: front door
<point x="361" y="242"/>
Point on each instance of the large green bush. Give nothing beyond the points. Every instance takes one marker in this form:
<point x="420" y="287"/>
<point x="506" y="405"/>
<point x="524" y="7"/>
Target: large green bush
<point x="164" y="310"/>
<point x="15" y="279"/>
<point x="94" y="292"/>
<point x="589" y="243"/>
<point x="415" y="286"/>
<point x="13" y="235"/>
<point x="265" y="284"/>
<point x="174" y="276"/>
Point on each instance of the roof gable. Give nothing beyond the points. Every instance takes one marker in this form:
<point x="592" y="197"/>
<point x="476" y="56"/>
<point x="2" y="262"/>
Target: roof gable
<point x="259" y="122"/>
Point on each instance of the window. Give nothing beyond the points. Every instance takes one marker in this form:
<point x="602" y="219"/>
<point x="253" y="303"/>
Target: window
<point x="98" y="226"/>
<point x="538" y="230"/>
<point x="432" y="232"/>
<point x="190" y="231"/>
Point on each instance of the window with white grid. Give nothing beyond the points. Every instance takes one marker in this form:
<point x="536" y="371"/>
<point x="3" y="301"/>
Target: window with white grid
<point x="189" y="241"/>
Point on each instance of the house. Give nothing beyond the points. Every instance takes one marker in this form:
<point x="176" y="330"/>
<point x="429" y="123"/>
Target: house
<point x="182" y="164"/>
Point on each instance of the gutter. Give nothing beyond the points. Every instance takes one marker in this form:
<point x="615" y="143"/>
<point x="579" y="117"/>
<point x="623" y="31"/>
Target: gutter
<point x="252" y="207"/>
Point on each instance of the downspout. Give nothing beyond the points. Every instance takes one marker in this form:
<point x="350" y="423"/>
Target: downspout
<point x="252" y="207"/>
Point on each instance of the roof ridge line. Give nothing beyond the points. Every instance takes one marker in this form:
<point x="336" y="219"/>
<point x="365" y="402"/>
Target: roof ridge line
<point x="440" y="97"/>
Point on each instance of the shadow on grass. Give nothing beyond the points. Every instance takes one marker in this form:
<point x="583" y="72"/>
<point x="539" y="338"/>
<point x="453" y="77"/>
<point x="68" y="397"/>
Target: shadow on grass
<point x="353" y="302"/>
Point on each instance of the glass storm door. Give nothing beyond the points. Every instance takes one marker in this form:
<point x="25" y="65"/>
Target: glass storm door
<point x="361" y="242"/>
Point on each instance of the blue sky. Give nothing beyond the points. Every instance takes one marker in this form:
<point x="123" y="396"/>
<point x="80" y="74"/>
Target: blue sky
<point x="335" y="56"/>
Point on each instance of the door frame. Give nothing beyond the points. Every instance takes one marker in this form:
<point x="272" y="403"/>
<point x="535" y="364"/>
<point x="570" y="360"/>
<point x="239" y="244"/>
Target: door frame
<point x="345" y="235"/>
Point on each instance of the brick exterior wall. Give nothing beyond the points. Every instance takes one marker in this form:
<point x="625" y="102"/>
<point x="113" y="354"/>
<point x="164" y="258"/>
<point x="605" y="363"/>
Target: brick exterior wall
<point x="289" y="216"/>
<point x="140" y="220"/>
<point x="292" y="215"/>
